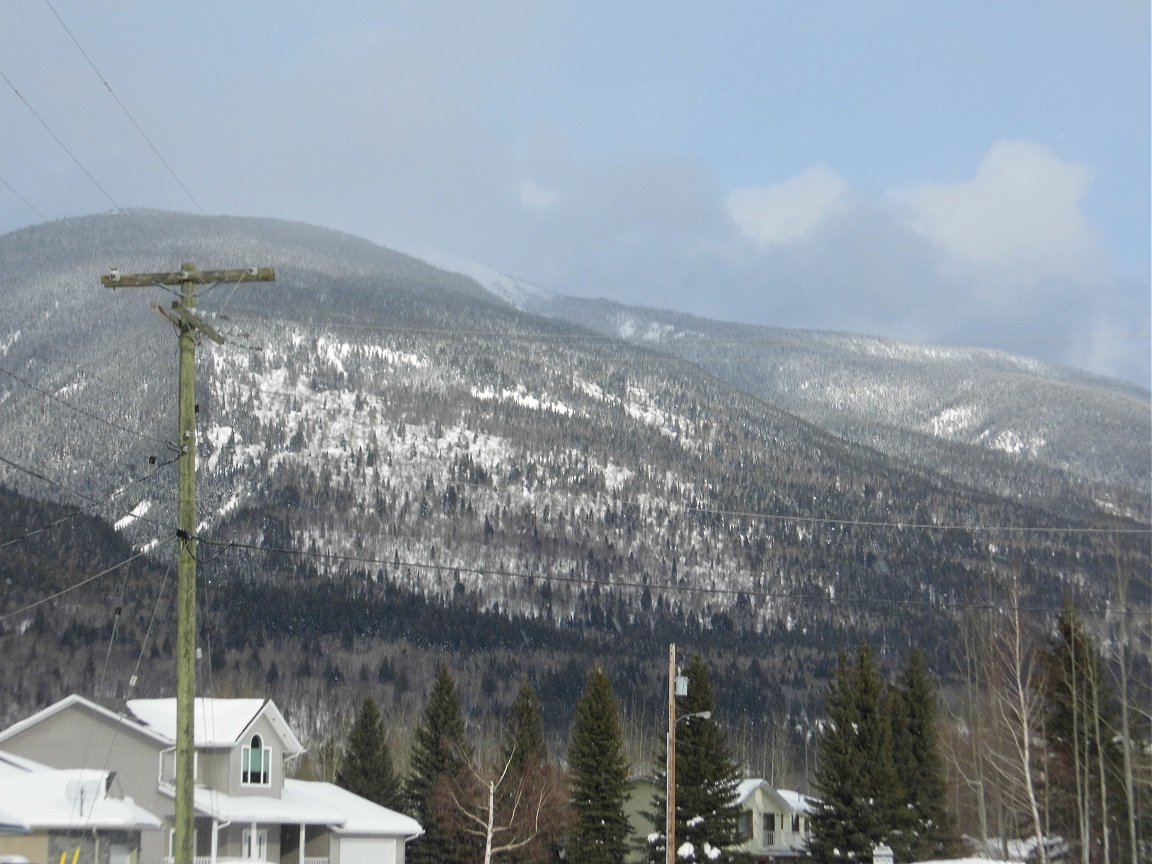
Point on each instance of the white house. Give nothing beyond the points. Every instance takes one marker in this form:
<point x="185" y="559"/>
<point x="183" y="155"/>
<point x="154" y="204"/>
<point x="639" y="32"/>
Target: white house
<point x="773" y="822"/>
<point x="245" y="807"/>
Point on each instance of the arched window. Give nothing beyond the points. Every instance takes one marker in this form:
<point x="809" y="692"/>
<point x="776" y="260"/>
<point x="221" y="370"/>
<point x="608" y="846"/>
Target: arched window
<point x="254" y="761"/>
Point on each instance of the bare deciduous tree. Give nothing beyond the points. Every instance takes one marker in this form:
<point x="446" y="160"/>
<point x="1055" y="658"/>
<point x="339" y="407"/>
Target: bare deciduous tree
<point x="509" y="810"/>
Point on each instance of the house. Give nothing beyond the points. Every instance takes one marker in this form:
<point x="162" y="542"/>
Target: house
<point x="641" y="791"/>
<point x="245" y="807"/>
<point x="774" y="822"/>
<point x="73" y="813"/>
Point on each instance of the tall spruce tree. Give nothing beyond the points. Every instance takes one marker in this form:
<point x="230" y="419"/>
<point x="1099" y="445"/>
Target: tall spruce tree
<point x="366" y="763"/>
<point x="524" y="739"/>
<point x="859" y="797"/>
<point x="707" y="778"/>
<point x="439" y="754"/>
<point x="599" y="777"/>
<point x="930" y="832"/>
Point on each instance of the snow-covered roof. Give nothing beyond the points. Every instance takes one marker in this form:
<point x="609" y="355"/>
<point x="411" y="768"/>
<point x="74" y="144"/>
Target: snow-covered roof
<point x="363" y="817"/>
<point x="75" y="700"/>
<point x="799" y="803"/>
<point x="306" y="802"/>
<point x="747" y="788"/>
<point x="45" y="799"/>
<point x="217" y="722"/>
<point x="10" y="764"/>
<point x="794" y="801"/>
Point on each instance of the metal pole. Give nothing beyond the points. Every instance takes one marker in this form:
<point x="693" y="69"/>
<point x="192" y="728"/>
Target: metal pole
<point x="670" y="766"/>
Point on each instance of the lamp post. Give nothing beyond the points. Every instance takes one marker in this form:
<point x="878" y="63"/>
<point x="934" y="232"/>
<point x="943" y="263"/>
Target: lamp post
<point x="677" y="686"/>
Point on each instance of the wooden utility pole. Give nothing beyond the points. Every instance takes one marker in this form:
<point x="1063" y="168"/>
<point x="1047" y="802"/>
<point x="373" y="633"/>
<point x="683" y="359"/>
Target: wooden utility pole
<point x="189" y="327"/>
<point x="670" y="762"/>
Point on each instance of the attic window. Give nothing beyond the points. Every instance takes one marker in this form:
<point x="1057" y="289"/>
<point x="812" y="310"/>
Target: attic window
<point x="254" y="761"/>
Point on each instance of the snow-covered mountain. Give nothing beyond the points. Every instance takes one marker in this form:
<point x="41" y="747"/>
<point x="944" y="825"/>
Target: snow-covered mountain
<point x="493" y="447"/>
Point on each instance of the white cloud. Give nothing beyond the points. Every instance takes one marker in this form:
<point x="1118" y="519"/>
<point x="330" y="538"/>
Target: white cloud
<point x="1018" y="218"/>
<point x="776" y="215"/>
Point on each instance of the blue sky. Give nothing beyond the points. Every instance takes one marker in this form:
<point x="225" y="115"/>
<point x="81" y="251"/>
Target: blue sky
<point x="963" y="173"/>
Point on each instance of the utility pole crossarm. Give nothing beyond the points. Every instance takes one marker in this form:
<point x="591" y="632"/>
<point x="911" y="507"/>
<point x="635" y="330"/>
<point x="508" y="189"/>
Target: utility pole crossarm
<point x="116" y="279"/>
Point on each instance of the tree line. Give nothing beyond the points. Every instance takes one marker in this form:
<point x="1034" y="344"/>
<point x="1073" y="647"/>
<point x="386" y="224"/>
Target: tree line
<point x="1059" y="759"/>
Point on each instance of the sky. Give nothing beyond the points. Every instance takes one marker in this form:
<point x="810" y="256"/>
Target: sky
<point x="972" y="173"/>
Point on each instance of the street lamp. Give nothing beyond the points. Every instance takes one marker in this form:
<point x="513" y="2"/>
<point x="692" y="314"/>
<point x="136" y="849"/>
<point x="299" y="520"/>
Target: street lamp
<point x="676" y="687"/>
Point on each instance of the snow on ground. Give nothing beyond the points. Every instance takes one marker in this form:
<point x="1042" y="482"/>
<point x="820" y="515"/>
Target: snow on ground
<point x="137" y="511"/>
<point x="523" y="398"/>
<point x="6" y="342"/>
<point x="952" y="421"/>
<point x="1013" y="443"/>
<point x="615" y="476"/>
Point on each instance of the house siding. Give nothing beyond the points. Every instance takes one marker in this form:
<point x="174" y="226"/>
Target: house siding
<point x="78" y="737"/>
<point x="271" y="739"/>
<point x="34" y="847"/>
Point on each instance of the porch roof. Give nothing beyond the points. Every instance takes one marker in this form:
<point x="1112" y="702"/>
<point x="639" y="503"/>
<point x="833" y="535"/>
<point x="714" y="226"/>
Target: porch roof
<point x="290" y="808"/>
<point x="364" y="818"/>
<point x="68" y="799"/>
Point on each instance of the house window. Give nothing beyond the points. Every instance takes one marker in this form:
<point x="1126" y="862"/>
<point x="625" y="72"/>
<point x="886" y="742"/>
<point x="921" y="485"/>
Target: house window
<point x="769" y="827"/>
<point x="254" y="762"/>
<point x="745" y="827"/>
<point x="795" y="823"/>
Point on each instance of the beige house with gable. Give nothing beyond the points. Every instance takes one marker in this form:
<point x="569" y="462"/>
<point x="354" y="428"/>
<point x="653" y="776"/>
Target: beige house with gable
<point x="246" y="809"/>
<point x="773" y="822"/>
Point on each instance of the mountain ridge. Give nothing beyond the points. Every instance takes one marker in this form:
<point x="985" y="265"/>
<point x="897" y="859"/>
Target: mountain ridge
<point x="376" y="425"/>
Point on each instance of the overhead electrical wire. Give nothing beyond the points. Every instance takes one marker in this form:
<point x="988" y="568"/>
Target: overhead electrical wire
<point x="63" y="591"/>
<point x="96" y="501"/>
<point x="901" y="525"/>
<point x="124" y="108"/>
<point x="678" y="337"/>
<point x="32" y="532"/>
<point x="63" y="146"/>
<point x="622" y="583"/>
<point x="920" y="526"/>
<point x="85" y="412"/>
<point x="27" y="203"/>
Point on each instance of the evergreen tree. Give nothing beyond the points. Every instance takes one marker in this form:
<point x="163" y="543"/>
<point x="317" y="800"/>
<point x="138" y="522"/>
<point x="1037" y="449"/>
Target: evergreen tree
<point x="859" y="798"/>
<point x="366" y="763"/>
<point x="599" y="777"/>
<point x="439" y="754"/>
<point x="531" y="779"/>
<point x="524" y="740"/>
<point x="919" y="766"/>
<point x="707" y="777"/>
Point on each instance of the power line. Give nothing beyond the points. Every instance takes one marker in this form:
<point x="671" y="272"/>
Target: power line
<point x="34" y="531"/>
<point x="678" y="337"/>
<point x="33" y="473"/>
<point x="124" y="108"/>
<point x="864" y="523"/>
<point x="63" y="146"/>
<point x="624" y="583"/>
<point x="86" y="413"/>
<point x="27" y="203"/>
<point x="88" y="581"/>
<point x="902" y="525"/>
